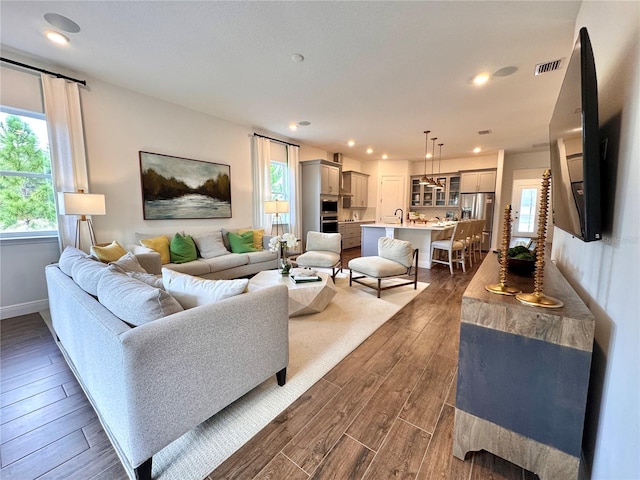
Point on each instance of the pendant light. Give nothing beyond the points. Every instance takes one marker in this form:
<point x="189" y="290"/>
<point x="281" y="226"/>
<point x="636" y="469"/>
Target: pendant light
<point x="432" y="182"/>
<point x="424" y="180"/>
<point x="439" y="185"/>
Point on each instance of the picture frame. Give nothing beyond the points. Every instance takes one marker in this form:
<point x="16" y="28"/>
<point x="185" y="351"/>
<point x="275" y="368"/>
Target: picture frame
<point x="182" y="188"/>
<point x="532" y="244"/>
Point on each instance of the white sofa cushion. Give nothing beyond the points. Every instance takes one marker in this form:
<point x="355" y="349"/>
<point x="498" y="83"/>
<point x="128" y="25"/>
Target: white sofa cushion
<point x="318" y="259"/>
<point x="193" y="291"/>
<point x="133" y="301"/>
<point x="330" y="242"/>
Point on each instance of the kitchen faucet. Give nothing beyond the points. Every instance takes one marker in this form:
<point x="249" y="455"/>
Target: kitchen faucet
<point x="401" y="216"/>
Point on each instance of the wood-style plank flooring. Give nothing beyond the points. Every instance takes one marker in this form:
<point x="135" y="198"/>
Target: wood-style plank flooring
<point x="384" y="412"/>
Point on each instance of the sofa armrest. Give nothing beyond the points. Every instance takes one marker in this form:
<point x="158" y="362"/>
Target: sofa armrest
<point x="151" y="262"/>
<point x="204" y="358"/>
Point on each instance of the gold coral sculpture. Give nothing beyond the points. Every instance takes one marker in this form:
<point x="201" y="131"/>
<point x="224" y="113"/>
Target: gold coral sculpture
<point x="502" y="288"/>
<point x="537" y="298"/>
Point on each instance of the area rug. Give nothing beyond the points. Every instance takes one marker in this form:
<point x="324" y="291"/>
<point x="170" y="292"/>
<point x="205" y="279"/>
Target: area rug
<point x="317" y="343"/>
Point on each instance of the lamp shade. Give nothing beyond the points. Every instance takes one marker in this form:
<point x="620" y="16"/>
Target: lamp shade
<point x="75" y="203"/>
<point x="276" y="206"/>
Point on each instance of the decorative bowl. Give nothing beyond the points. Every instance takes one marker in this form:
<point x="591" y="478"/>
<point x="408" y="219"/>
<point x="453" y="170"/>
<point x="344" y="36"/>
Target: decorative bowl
<point x="520" y="267"/>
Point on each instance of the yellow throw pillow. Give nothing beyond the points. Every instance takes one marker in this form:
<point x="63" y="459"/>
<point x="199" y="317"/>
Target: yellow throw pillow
<point x="108" y="253"/>
<point x="159" y="244"/>
<point x="258" y="234"/>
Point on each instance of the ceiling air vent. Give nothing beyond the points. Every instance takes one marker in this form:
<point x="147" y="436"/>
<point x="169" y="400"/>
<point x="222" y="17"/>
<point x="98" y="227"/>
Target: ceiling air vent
<point x="484" y="132"/>
<point x="548" y="67"/>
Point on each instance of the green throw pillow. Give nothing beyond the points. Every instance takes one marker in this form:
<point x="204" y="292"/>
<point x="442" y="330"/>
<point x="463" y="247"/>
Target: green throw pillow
<point x="242" y="242"/>
<point x="182" y="249"/>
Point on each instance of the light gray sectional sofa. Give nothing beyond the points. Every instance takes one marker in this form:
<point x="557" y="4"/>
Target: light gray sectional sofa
<point x="152" y="383"/>
<point x="217" y="261"/>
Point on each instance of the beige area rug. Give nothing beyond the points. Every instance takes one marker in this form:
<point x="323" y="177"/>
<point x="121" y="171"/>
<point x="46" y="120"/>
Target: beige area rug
<point x="317" y="343"/>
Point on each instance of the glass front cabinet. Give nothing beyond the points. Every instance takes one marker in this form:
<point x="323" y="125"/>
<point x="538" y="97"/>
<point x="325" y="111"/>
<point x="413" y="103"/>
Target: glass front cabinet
<point x="424" y="196"/>
<point x="421" y="195"/>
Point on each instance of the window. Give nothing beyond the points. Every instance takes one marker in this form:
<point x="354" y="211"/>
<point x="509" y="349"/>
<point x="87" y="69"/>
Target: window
<point x="279" y="170"/>
<point x="27" y="205"/>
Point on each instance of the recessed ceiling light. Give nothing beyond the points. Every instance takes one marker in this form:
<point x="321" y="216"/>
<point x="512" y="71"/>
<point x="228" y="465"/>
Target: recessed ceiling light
<point x="61" y="22"/>
<point x="384" y="156"/>
<point x="477" y="150"/>
<point x="369" y="150"/>
<point x="296" y="57"/>
<point x="293" y="126"/>
<point x="481" y="79"/>
<point x="56" y="37"/>
<point x="351" y="143"/>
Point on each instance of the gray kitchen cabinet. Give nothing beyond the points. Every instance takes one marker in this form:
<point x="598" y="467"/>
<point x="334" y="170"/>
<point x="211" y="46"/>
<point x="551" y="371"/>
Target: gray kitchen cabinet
<point x="357" y="184"/>
<point x="481" y="181"/>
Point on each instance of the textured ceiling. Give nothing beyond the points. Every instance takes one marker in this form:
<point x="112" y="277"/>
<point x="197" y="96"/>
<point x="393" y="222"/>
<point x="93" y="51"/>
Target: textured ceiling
<point x="377" y="72"/>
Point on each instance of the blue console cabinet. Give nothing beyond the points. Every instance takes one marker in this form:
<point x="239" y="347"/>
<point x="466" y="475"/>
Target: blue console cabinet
<point x="523" y="374"/>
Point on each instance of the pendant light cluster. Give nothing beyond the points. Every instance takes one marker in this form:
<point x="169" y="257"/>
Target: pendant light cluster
<point x="430" y="181"/>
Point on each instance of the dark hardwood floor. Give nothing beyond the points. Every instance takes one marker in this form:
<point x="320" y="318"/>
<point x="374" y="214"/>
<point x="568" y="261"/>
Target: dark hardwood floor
<point x="386" y="411"/>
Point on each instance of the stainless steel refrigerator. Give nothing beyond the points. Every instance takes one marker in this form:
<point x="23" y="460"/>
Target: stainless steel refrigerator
<point x="479" y="206"/>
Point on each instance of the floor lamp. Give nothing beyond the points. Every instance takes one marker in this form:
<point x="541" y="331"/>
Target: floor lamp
<point x="81" y="204"/>
<point x="276" y="207"/>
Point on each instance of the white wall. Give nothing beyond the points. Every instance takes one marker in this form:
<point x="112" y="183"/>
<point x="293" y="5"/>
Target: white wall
<point x="606" y="273"/>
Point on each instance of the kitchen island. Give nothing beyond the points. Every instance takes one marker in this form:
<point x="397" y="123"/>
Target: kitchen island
<point x="419" y="234"/>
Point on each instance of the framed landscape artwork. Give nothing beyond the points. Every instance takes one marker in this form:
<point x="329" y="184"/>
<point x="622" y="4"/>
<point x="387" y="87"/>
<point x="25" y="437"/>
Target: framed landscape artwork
<point x="181" y="188"/>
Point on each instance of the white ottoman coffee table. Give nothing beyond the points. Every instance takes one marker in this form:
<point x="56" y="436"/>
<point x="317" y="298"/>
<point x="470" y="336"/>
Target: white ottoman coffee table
<point x="304" y="298"/>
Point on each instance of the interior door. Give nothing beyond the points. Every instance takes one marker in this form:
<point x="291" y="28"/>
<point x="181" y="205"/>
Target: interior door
<point x="524" y="208"/>
<point x="392" y="196"/>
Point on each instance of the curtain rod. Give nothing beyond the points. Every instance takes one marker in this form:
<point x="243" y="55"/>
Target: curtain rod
<point x="41" y="70"/>
<point x="275" y="140"/>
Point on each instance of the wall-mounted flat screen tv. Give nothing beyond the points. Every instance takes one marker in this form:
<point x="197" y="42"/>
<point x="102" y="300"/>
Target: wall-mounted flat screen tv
<point x="574" y="142"/>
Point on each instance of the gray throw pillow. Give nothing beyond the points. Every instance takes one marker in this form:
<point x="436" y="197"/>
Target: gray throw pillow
<point x="133" y="301"/>
<point x="128" y="263"/>
<point x="86" y="272"/>
<point x="69" y="256"/>
<point x="210" y="245"/>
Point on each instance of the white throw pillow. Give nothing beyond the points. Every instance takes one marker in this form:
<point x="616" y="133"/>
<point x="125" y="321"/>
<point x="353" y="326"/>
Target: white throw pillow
<point x="210" y="245"/>
<point x="193" y="291"/>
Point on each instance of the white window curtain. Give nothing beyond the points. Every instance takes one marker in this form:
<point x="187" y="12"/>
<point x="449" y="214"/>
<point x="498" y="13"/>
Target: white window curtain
<point x="295" y="196"/>
<point x="66" y="144"/>
<point x="261" y="166"/>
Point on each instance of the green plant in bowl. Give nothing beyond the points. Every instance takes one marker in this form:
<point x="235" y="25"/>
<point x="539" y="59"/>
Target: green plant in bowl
<point x="520" y="260"/>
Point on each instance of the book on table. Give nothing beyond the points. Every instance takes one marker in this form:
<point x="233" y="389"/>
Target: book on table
<point x="305" y="278"/>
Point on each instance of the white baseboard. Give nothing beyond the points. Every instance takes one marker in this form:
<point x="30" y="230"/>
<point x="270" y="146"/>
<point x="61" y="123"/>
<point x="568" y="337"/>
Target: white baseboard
<point x="23" y="308"/>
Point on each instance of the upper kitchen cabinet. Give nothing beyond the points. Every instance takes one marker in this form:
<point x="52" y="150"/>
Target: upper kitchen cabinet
<point x="321" y="177"/>
<point x="329" y="179"/>
<point x="483" y="181"/>
<point x="425" y="196"/>
<point x="449" y="196"/>
<point x="421" y="195"/>
<point x="357" y="184"/>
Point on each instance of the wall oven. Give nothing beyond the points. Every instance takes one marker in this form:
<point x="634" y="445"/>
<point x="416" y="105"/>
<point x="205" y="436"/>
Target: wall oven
<point x="328" y="215"/>
<point x="329" y="223"/>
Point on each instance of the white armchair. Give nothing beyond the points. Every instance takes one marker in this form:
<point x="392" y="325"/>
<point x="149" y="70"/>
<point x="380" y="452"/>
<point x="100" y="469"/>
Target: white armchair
<point x="322" y="250"/>
<point x="396" y="258"/>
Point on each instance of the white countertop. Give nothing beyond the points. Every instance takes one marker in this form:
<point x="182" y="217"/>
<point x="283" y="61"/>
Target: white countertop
<point x="412" y="226"/>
